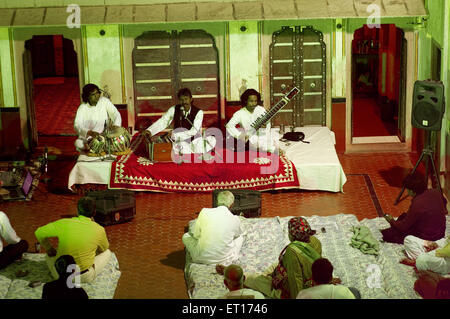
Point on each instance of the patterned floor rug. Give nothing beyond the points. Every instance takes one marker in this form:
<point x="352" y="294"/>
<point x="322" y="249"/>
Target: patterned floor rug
<point x="12" y="287"/>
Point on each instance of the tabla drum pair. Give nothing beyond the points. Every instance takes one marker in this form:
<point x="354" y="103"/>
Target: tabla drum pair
<point x="118" y="140"/>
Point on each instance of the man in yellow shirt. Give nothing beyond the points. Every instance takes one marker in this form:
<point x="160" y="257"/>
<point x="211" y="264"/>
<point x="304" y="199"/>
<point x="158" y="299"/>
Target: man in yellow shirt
<point x="79" y="237"/>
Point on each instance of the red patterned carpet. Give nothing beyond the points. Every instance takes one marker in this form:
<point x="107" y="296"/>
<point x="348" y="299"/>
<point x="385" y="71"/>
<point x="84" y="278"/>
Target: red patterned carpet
<point x="367" y="119"/>
<point x="56" y="101"/>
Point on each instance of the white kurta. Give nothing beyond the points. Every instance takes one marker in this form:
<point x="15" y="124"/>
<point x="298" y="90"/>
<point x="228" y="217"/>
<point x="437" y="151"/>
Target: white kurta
<point x="199" y="145"/>
<point x="326" y="292"/>
<point x="265" y="139"/>
<point x="216" y="237"/>
<point x="93" y="118"/>
<point x="414" y="248"/>
<point x="6" y="231"/>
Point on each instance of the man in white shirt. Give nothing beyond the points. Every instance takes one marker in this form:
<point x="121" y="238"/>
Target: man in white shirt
<point x="187" y="130"/>
<point x="234" y="281"/>
<point x="264" y="140"/>
<point x="16" y="246"/>
<point x="324" y="286"/>
<point x="216" y="236"/>
<point x="93" y="115"/>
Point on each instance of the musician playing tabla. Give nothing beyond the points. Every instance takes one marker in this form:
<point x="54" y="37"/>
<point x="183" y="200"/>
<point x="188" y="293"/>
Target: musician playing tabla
<point x="264" y="140"/>
<point x="186" y="134"/>
<point x="93" y="115"/>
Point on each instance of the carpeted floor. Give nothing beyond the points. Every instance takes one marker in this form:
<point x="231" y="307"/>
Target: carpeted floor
<point x="367" y="119"/>
<point x="56" y="102"/>
<point x="149" y="248"/>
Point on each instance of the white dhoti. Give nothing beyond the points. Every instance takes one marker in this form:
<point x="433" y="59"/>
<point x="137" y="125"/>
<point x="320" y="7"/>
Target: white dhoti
<point x="100" y="261"/>
<point x="414" y="248"/>
<point x="203" y="256"/>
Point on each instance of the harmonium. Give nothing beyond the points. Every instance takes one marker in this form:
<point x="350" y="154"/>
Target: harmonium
<point x="159" y="151"/>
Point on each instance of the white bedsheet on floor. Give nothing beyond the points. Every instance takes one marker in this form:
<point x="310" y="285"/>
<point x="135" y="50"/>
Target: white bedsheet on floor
<point x="90" y="170"/>
<point x="376" y="277"/>
<point x="317" y="163"/>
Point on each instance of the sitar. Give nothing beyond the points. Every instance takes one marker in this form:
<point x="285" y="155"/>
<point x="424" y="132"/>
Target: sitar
<point x="264" y="118"/>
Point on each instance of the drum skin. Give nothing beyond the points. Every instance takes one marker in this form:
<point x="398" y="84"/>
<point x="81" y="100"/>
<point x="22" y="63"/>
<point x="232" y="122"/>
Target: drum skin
<point x="118" y="141"/>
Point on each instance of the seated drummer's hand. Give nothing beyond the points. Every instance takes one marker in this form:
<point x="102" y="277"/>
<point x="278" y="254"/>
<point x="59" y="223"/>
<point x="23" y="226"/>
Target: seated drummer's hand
<point x="92" y="133"/>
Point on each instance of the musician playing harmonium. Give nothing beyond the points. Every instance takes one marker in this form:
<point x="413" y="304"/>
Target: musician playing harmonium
<point x="186" y="135"/>
<point x="264" y="139"/>
<point x="94" y="115"/>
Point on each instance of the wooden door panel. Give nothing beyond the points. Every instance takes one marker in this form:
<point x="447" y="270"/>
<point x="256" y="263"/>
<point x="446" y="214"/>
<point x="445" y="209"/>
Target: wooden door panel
<point x="197" y="54"/>
<point x="312" y="85"/>
<point x="154" y="89"/>
<point x="312" y="51"/>
<point x="195" y="71"/>
<point x="152" y="73"/>
<point x="313" y="118"/>
<point x="299" y="53"/>
<point x="152" y="106"/>
<point x="152" y="55"/>
<point x="312" y="101"/>
<point x="165" y="62"/>
<point x="312" y="68"/>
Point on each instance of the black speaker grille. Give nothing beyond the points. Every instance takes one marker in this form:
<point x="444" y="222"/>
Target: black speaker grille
<point x="426" y="114"/>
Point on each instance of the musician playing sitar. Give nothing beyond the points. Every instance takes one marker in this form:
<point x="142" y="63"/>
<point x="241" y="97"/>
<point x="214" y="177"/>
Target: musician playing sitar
<point x="187" y="129"/>
<point x="93" y="115"/>
<point x="264" y="139"/>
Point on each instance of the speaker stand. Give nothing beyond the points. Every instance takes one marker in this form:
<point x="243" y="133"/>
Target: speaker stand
<point x="428" y="154"/>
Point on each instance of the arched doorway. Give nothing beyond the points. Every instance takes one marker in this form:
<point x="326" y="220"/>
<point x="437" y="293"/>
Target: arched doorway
<point x="378" y="84"/>
<point x="54" y="80"/>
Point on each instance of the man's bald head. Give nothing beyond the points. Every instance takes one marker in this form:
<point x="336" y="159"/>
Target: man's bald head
<point x="234" y="277"/>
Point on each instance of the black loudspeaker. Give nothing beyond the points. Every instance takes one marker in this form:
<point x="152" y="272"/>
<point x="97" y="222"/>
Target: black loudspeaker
<point x="247" y="202"/>
<point x="428" y="105"/>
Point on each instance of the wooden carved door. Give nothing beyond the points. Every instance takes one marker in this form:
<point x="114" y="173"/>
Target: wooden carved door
<point x="298" y="58"/>
<point x="164" y="62"/>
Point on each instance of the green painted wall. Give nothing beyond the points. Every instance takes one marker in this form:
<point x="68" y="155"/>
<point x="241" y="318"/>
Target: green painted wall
<point x="6" y="71"/>
<point x="436" y="23"/>
<point x="102" y="56"/>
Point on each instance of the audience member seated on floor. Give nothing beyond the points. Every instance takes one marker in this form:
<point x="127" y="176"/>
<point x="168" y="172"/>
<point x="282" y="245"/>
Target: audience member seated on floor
<point x="234" y="281"/>
<point x="425" y="255"/>
<point x="425" y="218"/>
<point x="292" y="272"/>
<point x="216" y="235"/>
<point x="325" y="286"/>
<point x="66" y="286"/>
<point x="80" y="237"/>
<point x="430" y="285"/>
<point x="16" y="246"/>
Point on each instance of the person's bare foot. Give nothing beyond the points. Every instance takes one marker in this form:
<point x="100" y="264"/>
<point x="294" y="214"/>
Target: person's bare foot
<point x="408" y="262"/>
